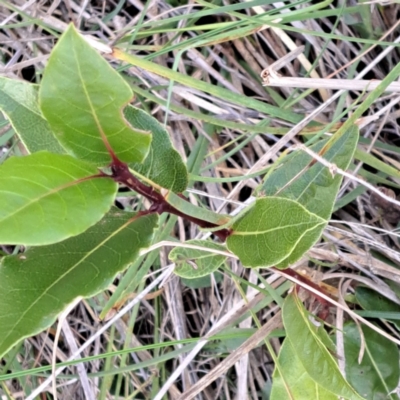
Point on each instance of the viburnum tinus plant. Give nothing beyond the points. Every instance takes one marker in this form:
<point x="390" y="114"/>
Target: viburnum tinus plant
<point x="85" y="141"/>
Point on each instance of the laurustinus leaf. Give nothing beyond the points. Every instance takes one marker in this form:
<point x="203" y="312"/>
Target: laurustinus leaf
<point x="314" y="349"/>
<point x="310" y="183"/>
<point x="46" y="198"/>
<point x="83" y="98"/>
<point x="291" y="381"/>
<point x="19" y="102"/>
<point x="376" y="376"/>
<point x="163" y="165"/>
<point x="272" y="230"/>
<point x="38" y="285"/>
<point x="197" y="212"/>
<point x="278" y="232"/>
<point x="196" y="263"/>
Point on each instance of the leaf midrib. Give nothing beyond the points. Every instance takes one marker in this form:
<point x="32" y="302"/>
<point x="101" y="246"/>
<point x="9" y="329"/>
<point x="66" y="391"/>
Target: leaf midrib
<point x="249" y="233"/>
<point x="44" y="195"/>
<point x="61" y="277"/>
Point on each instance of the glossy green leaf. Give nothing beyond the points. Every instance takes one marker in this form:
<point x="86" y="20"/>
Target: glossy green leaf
<point x="193" y="263"/>
<point x="291" y="381"/>
<point x="313" y="348"/>
<point x="46" y="198"/>
<point x="39" y="284"/>
<point x="378" y="373"/>
<point x="274" y="231"/>
<point x="82" y="98"/>
<point x="370" y="300"/>
<point x="315" y="188"/>
<point x="163" y="165"/>
<point x="19" y="102"/>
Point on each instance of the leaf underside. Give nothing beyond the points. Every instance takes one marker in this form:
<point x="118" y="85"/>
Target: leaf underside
<point x="313" y="186"/>
<point x="194" y="263"/>
<point x="278" y="233"/>
<point x="163" y="165"/>
<point x="273" y="230"/>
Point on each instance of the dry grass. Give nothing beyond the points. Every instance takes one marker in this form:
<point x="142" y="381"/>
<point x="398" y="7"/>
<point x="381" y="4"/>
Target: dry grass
<point x="360" y="244"/>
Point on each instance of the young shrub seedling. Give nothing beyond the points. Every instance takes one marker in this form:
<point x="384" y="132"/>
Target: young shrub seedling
<point x="85" y="141"/>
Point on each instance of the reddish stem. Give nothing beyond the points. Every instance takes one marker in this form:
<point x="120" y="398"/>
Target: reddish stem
<point x="121" y="174"/>
<point x="291" y="272"/>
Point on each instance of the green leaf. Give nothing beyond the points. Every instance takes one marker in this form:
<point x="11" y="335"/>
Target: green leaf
<point x="38" y="285"/>
<point x="198" y="212"/>
<point x="46" y="198"/>
<point x="82" y="98"/>
<point x="203" y="282"/>
<point x="378" y="373"/>
<point x="311" y="345"/>
<point x="163" y="165"/>
<point x="279" y="232"/>
<point x="315" y="188"/>
<point x="274" y="230"/>
<point x="19" y="102"/>
<point x="193" y="263"/>
<point x="370" y="300"/>
<point x="291" y="381"/>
